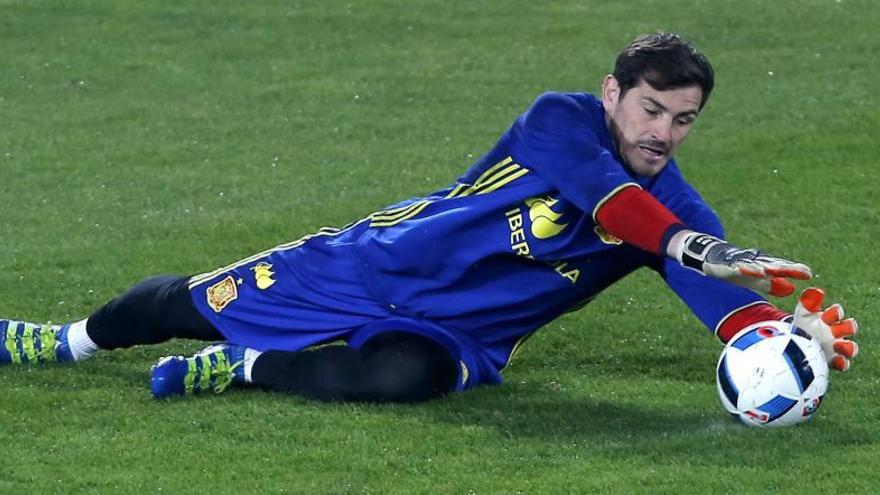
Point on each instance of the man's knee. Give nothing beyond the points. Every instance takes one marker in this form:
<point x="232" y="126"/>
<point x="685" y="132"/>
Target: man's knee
<point x="406" y="367"/>
<point x="390" y="367"/>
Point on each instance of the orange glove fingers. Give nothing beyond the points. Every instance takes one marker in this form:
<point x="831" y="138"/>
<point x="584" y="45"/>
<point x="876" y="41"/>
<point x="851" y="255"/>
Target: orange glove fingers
<point x="847" y="348"/>
<point x="812" y="299"/>
<point x="846" y="328"/>
<point x="840" y="363"/>
<point x="751" y="272"/>
<point x="833" y="314"/>
<point x="781" y="287"/>
<point x="797" y="274"/>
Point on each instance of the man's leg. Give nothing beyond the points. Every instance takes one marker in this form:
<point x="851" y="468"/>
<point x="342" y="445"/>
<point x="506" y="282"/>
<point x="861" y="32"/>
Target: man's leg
<point x="152" y="311"/>
<point x="390" y="367"/>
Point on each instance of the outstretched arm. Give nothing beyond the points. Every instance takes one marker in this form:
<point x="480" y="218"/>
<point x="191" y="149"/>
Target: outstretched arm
<point x="636" y="217"/>
<point x="559" y="138"/>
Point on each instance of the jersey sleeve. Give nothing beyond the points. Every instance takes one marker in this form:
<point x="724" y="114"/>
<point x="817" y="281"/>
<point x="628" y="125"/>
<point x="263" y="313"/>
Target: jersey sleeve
<point x="713" y="301"/>
<point x="557" y="139"/>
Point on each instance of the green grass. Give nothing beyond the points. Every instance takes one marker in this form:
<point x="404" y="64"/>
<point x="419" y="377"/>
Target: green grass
<point x="157" y="137"/>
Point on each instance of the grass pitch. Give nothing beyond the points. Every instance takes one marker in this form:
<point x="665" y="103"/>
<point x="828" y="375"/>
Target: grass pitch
<point x="155" y="137"/>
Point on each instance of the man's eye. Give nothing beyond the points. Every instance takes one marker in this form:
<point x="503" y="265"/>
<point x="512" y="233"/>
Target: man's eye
<point x="686" y="121"/>
<point x="651" y="111"/>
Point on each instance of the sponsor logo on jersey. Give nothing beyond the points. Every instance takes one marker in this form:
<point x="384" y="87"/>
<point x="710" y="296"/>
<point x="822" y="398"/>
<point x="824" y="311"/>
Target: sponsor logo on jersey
<point x="605" y="236"/>
<point x="263" y="273"/>
<point x="520" y="245"/>
<point x="544" y="218"/>
<point x="564" y="271"/>
<point x="222" y="293"/>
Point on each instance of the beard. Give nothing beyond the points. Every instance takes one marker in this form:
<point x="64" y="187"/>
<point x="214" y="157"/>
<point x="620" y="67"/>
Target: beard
<point x="642" y="167"/>
<point x="617" y="140"/>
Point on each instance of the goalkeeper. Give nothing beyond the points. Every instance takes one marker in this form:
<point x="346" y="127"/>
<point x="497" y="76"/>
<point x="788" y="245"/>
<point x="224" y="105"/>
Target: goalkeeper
<point x="436" y="293"/>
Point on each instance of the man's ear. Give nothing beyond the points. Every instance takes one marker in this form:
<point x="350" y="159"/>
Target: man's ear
<point x="610" y="93"/>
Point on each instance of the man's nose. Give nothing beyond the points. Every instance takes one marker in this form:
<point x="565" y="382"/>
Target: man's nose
<point x="662" y="130"/>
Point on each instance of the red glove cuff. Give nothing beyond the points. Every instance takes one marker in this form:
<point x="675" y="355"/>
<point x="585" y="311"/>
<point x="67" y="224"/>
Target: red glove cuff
<point x="748" y="315"/>
<point x="635" y="217"/>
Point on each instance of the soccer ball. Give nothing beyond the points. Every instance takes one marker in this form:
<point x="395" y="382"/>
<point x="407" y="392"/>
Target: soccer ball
<point x="772" y="374"/>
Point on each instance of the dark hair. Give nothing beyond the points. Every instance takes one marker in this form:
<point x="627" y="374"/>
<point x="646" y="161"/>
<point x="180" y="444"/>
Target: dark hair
<point x="664" y="61"/>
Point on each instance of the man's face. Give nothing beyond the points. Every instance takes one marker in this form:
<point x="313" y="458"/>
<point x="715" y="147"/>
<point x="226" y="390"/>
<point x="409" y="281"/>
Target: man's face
<point x="648" y="125"/>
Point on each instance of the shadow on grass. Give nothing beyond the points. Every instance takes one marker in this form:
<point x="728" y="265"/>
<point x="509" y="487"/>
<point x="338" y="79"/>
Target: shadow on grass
<point x="514" y="411"/>
<point x="667" y="433"/>
<point x="535" y="411"/>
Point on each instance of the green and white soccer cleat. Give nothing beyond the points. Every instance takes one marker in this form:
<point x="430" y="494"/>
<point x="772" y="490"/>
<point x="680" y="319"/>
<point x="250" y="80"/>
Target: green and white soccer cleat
<point x="30" y="343"/>
<point x="214" y="369"/>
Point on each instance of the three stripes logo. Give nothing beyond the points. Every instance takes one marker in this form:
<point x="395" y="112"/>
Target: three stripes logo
<point x="497" y="176"/>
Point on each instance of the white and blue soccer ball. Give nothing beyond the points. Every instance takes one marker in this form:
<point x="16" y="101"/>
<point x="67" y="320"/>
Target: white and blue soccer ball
<point x="772" y="374"/>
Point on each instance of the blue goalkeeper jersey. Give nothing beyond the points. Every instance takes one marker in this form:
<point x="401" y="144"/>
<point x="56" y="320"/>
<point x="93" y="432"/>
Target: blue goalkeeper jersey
<point x="513" y="243"/>
<point x="478" y="265"/>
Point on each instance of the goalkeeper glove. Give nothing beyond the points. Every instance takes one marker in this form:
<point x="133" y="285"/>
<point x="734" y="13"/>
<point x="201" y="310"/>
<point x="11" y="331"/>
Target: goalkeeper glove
<point x="827" y="327"/>
<point x="746" y="267"/>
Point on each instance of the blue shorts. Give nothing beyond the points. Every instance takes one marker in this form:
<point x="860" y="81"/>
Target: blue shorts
<point x="308" y="293"/>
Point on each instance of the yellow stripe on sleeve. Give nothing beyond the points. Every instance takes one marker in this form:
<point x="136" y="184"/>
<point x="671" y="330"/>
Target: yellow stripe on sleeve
<point x="387" y="222"/>
<point x="457" y="190"/>
<point x="491" y="170"/>
<point x="504" y="181"/>
<point x="384" y="216"/>
<point x="497" y="176"/>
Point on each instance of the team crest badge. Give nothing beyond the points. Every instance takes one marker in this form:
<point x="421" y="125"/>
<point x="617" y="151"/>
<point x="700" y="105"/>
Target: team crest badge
<point x="222" y="293"/>
<point x="606" y="237"/>
<point x="263" y="273"/>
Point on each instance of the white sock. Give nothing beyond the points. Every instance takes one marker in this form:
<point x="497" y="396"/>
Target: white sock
<point x="250" y="357"/>
<point x="81" y="346"/>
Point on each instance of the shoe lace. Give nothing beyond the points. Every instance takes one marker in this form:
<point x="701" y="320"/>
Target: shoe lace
<point x="48" y="343"/>
<point x="224" y="374"/>
<point x="34" y="334"/>
<point x="217" y="371"/>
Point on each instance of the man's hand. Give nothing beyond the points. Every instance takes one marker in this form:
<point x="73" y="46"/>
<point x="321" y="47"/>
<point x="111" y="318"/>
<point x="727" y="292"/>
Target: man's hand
<point x="827" y="327"/>
<point x="747" y="267"/>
